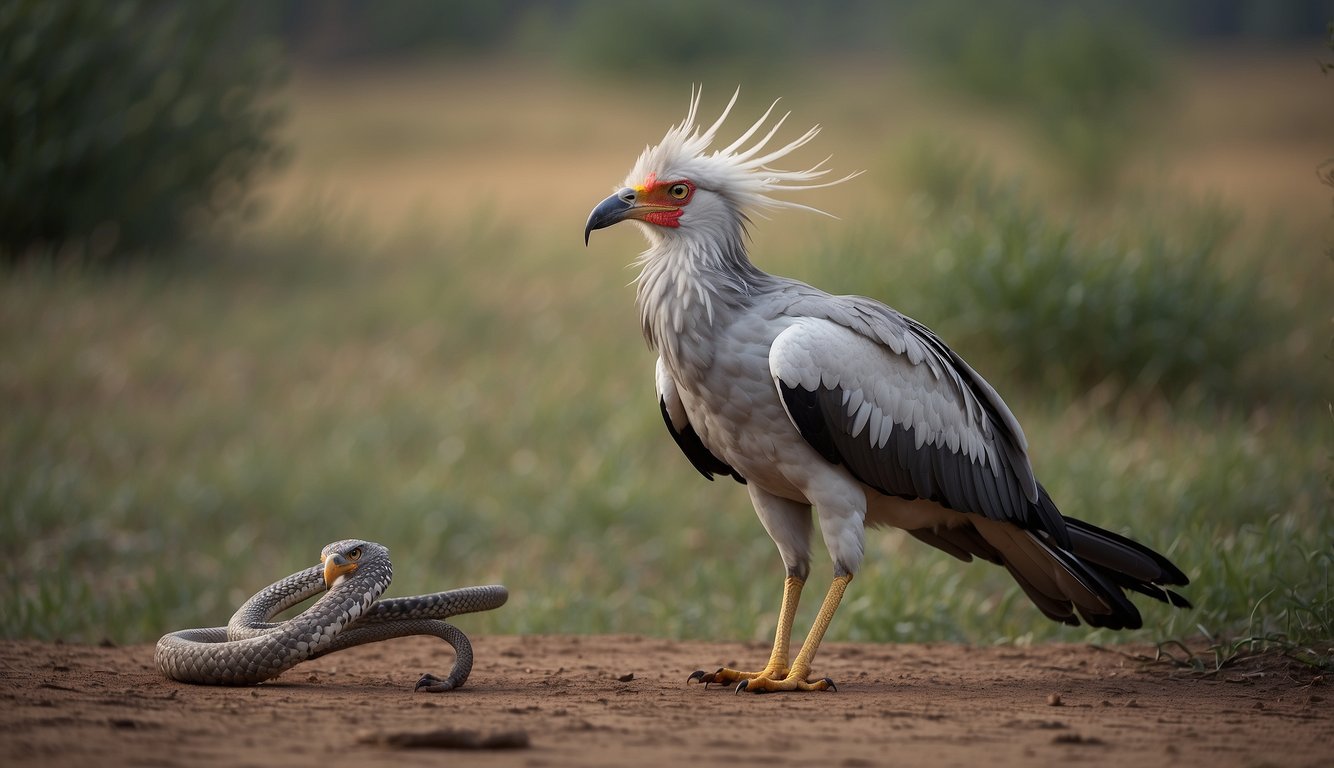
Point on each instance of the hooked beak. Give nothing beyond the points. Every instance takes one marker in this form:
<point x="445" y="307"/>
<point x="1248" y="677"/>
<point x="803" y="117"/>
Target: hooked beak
<point x="621" y="206"/>
<point x="335" y="568"/>
<point x="610" y="211"/>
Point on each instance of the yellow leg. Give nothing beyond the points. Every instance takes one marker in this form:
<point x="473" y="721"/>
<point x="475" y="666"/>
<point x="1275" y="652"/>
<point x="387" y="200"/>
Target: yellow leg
<point x="783" y="635"/>
<point x="778" y="660"/>
<point x="795" y="679"/>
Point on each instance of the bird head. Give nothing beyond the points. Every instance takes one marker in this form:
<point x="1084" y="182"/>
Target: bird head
<point x="679" y="189"/>
<point x="341" y="558"/>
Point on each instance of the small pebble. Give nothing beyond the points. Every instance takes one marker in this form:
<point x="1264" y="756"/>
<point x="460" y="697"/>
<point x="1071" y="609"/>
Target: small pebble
<point x="1054" y="700"/>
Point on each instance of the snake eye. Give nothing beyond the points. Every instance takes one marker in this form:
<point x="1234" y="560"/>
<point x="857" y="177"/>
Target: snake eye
<point x="354" y="554"/>
<point x="679" y="190"/>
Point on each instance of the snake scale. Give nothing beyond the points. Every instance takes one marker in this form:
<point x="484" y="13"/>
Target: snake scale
<point x="252" y="649"/>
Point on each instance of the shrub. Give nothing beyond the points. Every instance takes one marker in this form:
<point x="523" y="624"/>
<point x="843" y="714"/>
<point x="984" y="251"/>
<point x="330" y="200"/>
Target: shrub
<point x="122" y="120"/>
<point x="1153" y="305"/>
<point x="346" y="31"/>
<point x="692" y="41"/>
<point x="1079" y="74"/>
<point x="941" y="169"/>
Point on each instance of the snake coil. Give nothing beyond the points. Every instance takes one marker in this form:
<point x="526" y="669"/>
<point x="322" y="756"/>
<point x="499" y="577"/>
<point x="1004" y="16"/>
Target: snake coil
<point x="251" y="649"/>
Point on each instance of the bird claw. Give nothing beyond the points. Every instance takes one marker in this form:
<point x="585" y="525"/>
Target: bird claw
<point x="707" y="678"/>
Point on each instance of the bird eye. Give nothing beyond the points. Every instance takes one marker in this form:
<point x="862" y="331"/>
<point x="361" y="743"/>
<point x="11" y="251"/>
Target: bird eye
<point x="679" y="191"/>
<point x="354" y="554"/>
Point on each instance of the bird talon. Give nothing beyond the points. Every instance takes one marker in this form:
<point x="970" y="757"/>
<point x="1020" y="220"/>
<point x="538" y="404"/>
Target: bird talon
<point x="741" y="686"/>
<point x="830" y="683"/>
<point x="709" y="678"/>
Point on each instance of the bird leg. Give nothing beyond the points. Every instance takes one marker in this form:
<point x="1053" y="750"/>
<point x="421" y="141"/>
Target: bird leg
<point x="778" y="660"/>
<point x="795" y="679"/>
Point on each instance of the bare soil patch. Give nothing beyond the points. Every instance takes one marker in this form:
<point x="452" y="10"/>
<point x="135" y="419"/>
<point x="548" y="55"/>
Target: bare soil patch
<point x="623" y="700"/>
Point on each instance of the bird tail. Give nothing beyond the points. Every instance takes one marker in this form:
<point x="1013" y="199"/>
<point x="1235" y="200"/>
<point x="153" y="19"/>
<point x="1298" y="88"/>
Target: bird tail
<point x="1127" y="563"/>
<point x="1090" y="577"/>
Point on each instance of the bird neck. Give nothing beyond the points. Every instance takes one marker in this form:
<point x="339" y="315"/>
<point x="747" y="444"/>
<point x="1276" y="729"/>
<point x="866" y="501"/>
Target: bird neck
<point x="688" y="288"/>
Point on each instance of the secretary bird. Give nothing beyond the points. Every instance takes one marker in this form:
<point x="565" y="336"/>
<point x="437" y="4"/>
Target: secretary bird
<point x="840" y="404"/>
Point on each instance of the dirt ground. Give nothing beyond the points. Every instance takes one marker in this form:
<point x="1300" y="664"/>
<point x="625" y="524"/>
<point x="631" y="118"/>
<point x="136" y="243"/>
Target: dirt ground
<point x="623" y="700"/>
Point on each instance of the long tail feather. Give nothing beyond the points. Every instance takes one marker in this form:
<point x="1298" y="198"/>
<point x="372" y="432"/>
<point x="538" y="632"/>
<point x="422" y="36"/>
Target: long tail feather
<point x="1086" y="578"/>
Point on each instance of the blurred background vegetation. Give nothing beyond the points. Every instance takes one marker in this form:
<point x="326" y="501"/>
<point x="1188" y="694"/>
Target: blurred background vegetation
<point x="280" y="273"/>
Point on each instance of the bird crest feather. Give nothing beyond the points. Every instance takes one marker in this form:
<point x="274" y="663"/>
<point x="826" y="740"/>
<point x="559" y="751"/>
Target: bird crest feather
<point x="743" y="174"/>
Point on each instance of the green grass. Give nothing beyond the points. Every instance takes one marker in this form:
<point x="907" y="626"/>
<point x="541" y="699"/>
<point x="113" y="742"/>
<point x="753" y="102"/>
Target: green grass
<point x="1161" y="295"/>
<point x="471" y="390"/>
<point x="479" y="400"/>
<point x="1082" y="78"/>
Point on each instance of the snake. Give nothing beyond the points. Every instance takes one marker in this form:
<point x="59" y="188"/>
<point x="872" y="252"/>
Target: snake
<point x="353" y="574"/>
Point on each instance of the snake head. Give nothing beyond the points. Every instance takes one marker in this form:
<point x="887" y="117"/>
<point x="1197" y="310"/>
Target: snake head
<point x="341" y="558"/>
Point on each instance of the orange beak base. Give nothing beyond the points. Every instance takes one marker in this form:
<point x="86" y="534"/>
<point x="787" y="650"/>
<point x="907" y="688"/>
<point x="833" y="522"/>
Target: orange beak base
<point x="335" y="567"/>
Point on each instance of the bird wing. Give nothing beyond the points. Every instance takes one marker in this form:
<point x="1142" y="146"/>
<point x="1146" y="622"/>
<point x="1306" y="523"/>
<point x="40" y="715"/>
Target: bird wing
<point x="678" y="423"/>
<point x="881" y="394"/>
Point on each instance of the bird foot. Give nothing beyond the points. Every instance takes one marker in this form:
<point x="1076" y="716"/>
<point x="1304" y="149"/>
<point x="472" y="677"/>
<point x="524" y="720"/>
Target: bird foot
<point x="432" y="684"/>
<point x="726" y="676"/>
<point x="788" y="683"/>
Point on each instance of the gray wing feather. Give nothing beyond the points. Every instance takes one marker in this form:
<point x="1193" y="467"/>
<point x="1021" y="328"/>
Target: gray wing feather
<point x="882" y="395"/>
<point x="916" y="343"/>
<point x="941" y="432"/>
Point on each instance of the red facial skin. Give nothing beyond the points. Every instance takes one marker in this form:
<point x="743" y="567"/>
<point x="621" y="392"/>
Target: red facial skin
<point x="664" y="218"/>
<point x="666" y="207"/>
